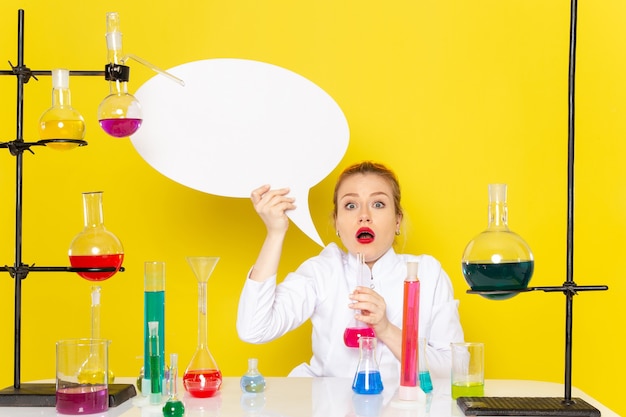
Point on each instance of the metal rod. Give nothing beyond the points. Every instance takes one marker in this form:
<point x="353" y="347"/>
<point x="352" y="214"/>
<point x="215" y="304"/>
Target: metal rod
<point x="569" y="296"/>
<point x="18" y="204"/>
<point x="62" y="269"/>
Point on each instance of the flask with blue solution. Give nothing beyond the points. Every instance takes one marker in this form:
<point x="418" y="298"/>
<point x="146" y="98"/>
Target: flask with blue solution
<point x="367" y="378"/>
<point x="252" y="381"/>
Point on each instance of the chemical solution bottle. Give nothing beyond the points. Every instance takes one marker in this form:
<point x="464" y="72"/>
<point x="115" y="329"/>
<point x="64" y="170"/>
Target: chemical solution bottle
<point x="426" y="383"/>
<point x="202" y="377"/>
<point x="61" y="127"/>
<point x="497" y="263"/>
<point x="355" y="328"/>
<point x="252" y="381"/>
<point x="367" y="378"/>
<point x="410" y="333"/>
<point x="95" y="247"/>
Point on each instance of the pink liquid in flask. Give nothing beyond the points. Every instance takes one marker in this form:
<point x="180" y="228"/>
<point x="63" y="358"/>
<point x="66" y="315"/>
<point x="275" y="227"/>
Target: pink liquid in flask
<point x="352" y="335"/>
<point x="82" y="400"/>
<point x="120" y="128"/>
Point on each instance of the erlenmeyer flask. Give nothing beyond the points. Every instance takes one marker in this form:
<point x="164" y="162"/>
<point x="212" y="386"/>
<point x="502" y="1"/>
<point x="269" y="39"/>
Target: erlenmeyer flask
<point x="202" y="377"/>
<point x="355" y="328"/>
<point x="497" y="259"/>
<point x="367" y="378"/>
<point x="95" y="246"/>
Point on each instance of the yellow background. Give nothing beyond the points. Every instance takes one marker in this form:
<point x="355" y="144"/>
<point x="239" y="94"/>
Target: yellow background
<point x="452" y="94"/>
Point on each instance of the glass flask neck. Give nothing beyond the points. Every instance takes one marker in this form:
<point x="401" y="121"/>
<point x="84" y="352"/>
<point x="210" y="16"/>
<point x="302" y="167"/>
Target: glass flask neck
<point x="202" y="315"/>
<point x="118" y="87"/>
<point x="92" y="209"/>
<point x="253" y="367"/>
<point x="498" y="212"/>
<point x="114" y="38"/>
<point x="367" y="351"/>
<point x="61" y="97"/>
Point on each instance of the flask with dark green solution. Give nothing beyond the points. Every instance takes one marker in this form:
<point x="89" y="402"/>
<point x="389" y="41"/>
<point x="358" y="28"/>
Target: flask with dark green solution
<point x="497" y="263"/>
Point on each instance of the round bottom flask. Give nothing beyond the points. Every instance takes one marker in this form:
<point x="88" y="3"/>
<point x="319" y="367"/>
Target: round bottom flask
<point x="95" y="246"/>
<point x="497" y="263"/>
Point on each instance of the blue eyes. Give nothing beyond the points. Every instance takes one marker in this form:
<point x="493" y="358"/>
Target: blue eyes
<point x="377" y="204"/>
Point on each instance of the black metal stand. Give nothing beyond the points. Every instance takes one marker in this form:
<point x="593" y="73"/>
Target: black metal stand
<point x="34" y="395"/>
<point x="538" y="406"/>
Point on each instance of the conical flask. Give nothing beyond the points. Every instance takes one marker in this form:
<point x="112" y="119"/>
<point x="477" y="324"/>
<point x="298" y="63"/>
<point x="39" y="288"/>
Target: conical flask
<point x="95" y="246"/>
<point x="202" y="377"/>
<point x="61" y="127"/>
<point x="367" y="378"/>
<point x="497" y="259"/>
<point x="355" y="329"/>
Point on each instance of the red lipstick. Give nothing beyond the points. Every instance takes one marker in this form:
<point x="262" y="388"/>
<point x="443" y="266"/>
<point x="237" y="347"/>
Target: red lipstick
<point x="365" y="235"/>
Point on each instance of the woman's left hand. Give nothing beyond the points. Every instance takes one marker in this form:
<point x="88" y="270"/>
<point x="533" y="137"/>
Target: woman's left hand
<point x="370" y="308"/>
<point x="373" y="309"/>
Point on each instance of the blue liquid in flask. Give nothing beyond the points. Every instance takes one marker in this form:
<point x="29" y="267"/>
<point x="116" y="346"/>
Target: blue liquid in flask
<point x="367" y="383"/>
<point x="426" y="384"/>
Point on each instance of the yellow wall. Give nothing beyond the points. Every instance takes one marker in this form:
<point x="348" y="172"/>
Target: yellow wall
<point x="453" y="94"/>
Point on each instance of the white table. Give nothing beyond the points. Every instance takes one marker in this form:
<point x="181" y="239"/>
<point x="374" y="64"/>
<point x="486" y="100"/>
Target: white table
<point x="318" y="397"/>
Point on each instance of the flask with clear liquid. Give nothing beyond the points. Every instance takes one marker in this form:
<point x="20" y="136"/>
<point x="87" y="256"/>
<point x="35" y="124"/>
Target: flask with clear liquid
<point x="61" y="127"/>
<point x="367" y="379"/>
<point x="202" y="377"/>
<point x="498" y="259"/>
<point x="95" y="246"/>
<point x="355" y="328"/>
<point x="252" y="381"/>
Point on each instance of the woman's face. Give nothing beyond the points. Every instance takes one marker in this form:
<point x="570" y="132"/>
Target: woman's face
<point x="366" y="217"/>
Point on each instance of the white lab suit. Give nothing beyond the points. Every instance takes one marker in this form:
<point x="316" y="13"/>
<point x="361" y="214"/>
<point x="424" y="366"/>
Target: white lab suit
<point x="319" y="290"/>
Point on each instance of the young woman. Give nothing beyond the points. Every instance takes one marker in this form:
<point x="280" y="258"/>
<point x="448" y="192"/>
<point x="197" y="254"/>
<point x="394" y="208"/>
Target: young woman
<point x="367" y="217"/>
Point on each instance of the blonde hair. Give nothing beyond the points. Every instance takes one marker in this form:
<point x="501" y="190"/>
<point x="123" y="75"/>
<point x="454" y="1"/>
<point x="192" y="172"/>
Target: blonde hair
<point x="369" y="167"/>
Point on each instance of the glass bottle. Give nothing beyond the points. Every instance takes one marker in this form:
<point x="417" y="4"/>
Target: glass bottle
<point x="497" y="259"/>
<point x="202" y="377"/>
<point x="90" y="372"/>
<point x="355" y="328"/>
<point x="410" y="334"/>
<point x="367" y="378"/>
<point x="252" y="381"/>
<point x="119" y="114"/>
<point x="173" y="407"/>
<point x="426" y="383"/>
<point x="156" y="382"/>
<point x="154" y="311"/>
<point x="61" y="127"/>
<point x="95" y="246"/>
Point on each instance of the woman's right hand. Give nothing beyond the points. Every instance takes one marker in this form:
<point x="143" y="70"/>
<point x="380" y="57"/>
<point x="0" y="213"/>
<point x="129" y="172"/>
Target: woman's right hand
<point x="272" y="205"/>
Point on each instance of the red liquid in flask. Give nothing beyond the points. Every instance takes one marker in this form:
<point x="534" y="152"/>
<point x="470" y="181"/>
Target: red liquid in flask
<point x="120" y="128"/>
<point x="352" y="335"/>
<point x="203" y="383"/>
<point x="82" y="400"/>
<point x="98" y="261"/>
